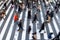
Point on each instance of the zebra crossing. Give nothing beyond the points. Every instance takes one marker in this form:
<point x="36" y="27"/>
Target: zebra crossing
<point x="8" y="29"/>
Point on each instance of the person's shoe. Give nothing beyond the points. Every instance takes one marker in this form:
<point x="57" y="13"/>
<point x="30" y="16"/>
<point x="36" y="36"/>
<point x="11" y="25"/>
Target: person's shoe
<point x="18" y="30"/>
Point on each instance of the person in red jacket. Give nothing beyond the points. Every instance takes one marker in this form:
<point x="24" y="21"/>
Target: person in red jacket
<point x="15" y="17"/>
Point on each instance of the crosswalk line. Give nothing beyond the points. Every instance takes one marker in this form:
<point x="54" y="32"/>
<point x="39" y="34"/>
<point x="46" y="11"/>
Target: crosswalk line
<point x="57" y="18"/>
<point x="16" y="32"/>
<point x="6" y="14"/>
<point x="42" y="19"/>
<point x="50" y="29"/>
<point x="8" y="9"/>
<point x="1" y="22"/>
<point x="55" y="25"/>
<point x="6" y="24"/>
<point x="10" y="31"/>
<point x="25" y="24"/>
<point x="30" y="35"/>
<point x="8" y="2"/>
<point x="1" y="6"/>
<point x="37" y="30"/>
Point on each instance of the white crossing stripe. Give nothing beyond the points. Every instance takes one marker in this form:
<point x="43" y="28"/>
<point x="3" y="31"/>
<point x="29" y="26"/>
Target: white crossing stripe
<point x="55" y="26"/>
<point x="8" y="2"/>
<point x="37" y="30"/>
<point x="50" y="29"/>
<point x="10" y="31"/>
<point x="1" y="6"/>
<point x="24" y="27"/>
<point x="6" y="24"/>
<point x="30" y="35"/>
<point x="6" y="14"/>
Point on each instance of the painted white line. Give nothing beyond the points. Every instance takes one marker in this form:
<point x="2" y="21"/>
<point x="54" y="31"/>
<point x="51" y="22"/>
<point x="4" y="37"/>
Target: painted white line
<point x="16" y="32"/>
<point x="50" y="29"/>
<point x="45" y="34"/>
<point x="37" y="30"/>
<point x="25" y="24"/>
<point x="1" y="6"/>
<point x="6" y="14"/>
<point x="42" y="17"/>
<point x="1" y="22"/>
<point x="55" y="25"/>
<point x="8" y="2"/>
<point x="6" y="24"/>
<point x="30" y="35"/>
<point x="10" y="31"/>
<point x="58" y="19"/>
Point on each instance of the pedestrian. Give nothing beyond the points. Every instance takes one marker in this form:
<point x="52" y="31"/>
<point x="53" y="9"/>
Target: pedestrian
<point x="42" y="27"/>
<point x="20" y="25"/>
<point x="4" y="4"/>
<point x="34" y="18"/>
<point x="29" y="14"/>
<point x="12" y="2"/>
<point x="39" y="8"/>
<point x="2" y="14"/>
<point x="56" y="9"/>
<point x="48" y="17"/>
<point x="51" y="14"/>
<point x="29" y="29"/>
<point x="15" y="17"/>
<point x="19" y="7"/>
<point x="34" y="36"/>
<point x="23" y="6"/>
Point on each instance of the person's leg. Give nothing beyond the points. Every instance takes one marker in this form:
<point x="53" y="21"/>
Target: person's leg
<point x="21" y="28"/>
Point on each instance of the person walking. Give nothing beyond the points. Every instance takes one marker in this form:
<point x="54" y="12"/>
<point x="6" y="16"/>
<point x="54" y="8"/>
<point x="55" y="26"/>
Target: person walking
<point x="20" y="25"/>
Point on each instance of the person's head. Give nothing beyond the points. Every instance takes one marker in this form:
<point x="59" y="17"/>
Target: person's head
<point x="48" y="12"/>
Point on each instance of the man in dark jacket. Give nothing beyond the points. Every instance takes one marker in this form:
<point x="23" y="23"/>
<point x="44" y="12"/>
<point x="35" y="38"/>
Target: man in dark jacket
<point x="20" y="25"/>
<point x="42" y="27"/>
<point x="52" y="14"/>
<point x="29" y="29"/>
<point x="29" y="14"/>
<point x="35" y="18"/>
